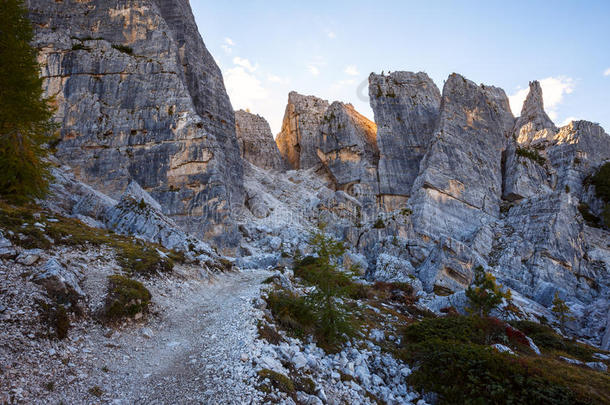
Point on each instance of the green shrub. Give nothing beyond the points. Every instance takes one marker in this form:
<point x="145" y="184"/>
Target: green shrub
<point x="531" y="154"/>
<point x="305" y="384"/>
<point x="126" y="298"/>
<point x="546" y="338"/>
<point x="379" y="224"/>
<point x="278" y="380"/>
<point x="484" y="293"/>
<point x="123" y="48"/>
<point x="452" y="357"/>
<point x="292" y="312"/>
<point x="601" y="181"/>
<point x="56" y="316"/>
<point x="143" y="260"/>
<point x="589" y="218"/>
<point x="79" y="46"/>
<point x="96" y="391"/>
<point x="269" y="333"/>
<point x="472" y="374"/>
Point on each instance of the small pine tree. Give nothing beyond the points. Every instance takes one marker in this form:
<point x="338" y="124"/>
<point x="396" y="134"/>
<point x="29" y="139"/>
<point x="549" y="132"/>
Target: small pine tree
<point x="332" y="318"/>
<point x="25" y="115"/>
<point x="561" y="311"/>
<point x="484" y="293"/>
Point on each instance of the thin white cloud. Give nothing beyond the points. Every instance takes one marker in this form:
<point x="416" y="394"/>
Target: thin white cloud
<point x="314" y="70"/>
<point x="277" y="79"/>
<point x="331" y="35"/>
<point x="244" y="88"/>
<point x="607" y="72"/>
<point x="568" y="120"/>
<point x="352" y="70"/>
<point x="245" y="63"/>
<point x="228" y="45"/>
<point x="554" y="90"/>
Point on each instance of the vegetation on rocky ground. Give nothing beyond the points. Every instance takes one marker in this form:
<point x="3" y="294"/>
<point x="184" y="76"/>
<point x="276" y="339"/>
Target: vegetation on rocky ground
<point x="484" y="294"/>
<point x="531" y="154"/>
<point x="56" y="317"/>
<point x="452" y="356"/>
<point x="453" y="359"/>
<point x="25" y="115"/>
<point x="134" y="256"/>
<point x="601" y="181"/>
<point x="126" y="298"/>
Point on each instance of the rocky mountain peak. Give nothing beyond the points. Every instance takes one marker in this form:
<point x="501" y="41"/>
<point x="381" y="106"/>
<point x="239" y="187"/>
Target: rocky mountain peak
<point x="256" y="143"/>
<point x="534" y="125"/>
<point x="297" y="139"/>
<point x="406" y="107"/>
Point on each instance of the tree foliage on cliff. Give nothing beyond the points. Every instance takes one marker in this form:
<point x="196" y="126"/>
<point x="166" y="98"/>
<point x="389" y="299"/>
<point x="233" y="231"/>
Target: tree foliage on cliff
<point x="485" y="294"/>
<point x="25" y="116"/>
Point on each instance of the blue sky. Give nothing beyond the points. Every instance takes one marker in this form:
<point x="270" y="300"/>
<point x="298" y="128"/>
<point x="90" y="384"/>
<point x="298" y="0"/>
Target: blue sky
<point x="328" y="48"/>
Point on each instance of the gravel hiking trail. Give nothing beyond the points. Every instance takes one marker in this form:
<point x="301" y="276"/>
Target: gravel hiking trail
<point x="196" y="353"/>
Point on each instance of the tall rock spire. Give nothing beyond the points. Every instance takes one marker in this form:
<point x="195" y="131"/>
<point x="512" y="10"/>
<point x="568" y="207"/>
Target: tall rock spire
<point x="534" y="125"/>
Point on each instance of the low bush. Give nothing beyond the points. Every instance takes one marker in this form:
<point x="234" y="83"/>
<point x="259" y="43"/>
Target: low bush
<point x="601" y="181"/>
<point x="589" y="218"/>
<point x="144" y="260"/>
<point x="473" y="374"/>
<point x="57" y="317"/>
<point x="133" y="255"/>
<point x="123" y="48"/>
<point x="453" y="358"/>
<point x="379" y="224"/>
<point x="278" y="380"/>
<point x="292" y="312"/>
<point x="126" y="298"/>
<point x="531" y="154"/>
<point x="546" y="338"/>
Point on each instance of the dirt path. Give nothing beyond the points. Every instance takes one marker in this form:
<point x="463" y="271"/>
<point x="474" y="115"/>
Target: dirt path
<point x="195" y="353"/>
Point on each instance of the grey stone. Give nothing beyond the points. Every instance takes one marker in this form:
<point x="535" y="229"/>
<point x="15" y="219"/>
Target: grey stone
<point x="597" y="366"/>
<point x="298" y="138"/>
<point x="60" y="283"/>
<point x="347" y="147"/>
<point x="158" y="114"/>
<point x="406" y="107"/>
<point x="256" y="143"/>
<point x="29" y="256"/>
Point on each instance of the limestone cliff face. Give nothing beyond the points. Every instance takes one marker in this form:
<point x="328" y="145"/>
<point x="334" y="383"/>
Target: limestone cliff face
<point x="298" y="138"/>
<point x="347" y="147"/>
<point x="256" y="143"/>
<point x="140" y="98"/>
<point x="461" y="173"/>
<point x="406" y="107"/>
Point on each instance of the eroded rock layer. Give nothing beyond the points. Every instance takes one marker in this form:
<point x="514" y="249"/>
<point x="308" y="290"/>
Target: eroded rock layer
<point x="140" y="98"/>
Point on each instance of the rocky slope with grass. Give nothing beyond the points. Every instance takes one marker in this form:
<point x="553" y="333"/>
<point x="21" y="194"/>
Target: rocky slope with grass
<point x="478" y="187"/>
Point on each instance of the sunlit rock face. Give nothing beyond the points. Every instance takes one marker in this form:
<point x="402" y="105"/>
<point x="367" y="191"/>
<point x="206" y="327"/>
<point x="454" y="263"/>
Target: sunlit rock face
<point x="459" y="186"/>
<point x="256" y="143"/>
<point x="406" y="107"/>
<point x="347" y="147"/>
<point x="533" y="125"/>
<point x="297" y="140"/>
<point x="139" y="97"/>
